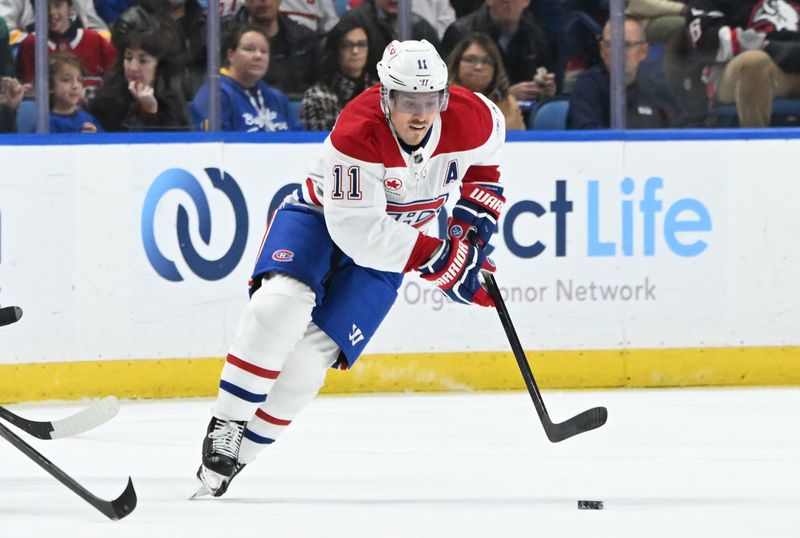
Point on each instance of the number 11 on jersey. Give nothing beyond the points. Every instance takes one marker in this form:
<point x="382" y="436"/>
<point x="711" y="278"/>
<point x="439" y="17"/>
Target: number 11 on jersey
<point x="354" y="180"/>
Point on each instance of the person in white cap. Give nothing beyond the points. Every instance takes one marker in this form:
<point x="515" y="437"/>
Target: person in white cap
<point x="336" y="251"/>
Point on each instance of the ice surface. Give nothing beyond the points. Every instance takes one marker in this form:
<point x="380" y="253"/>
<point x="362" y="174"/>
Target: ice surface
<point x="711" y="463"/>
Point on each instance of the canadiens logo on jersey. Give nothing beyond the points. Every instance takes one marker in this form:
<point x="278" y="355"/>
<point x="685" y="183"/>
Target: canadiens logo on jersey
<point x="416" y="214"/>
<point x="283" y="255"/>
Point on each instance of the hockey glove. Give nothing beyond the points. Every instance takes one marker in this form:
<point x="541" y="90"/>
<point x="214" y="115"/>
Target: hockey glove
<point x="479" y="207"/>
<point x="455" y="268"/>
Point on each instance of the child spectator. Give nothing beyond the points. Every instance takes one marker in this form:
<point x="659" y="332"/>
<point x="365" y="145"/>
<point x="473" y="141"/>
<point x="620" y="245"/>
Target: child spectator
<point x="66" y="96"/>
<point x="476" y="64"/>
<point x="66" y="33"/>
<point x="247" y="102"/>
<point x="145" y="91"/>
<point x="342" y="74"/>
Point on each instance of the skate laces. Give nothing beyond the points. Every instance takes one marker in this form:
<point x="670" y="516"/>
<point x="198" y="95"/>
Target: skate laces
<point x="226" y="438"/>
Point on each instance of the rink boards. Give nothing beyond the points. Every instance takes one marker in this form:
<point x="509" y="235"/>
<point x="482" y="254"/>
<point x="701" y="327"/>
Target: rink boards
<point x="644" y="261"/>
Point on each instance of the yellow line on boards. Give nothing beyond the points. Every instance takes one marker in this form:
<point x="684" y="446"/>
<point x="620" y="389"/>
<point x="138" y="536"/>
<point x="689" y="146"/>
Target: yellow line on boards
<point x="178" y="378"/>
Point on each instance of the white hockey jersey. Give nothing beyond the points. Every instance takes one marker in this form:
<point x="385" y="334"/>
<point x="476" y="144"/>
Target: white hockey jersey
<point x="378" y="200"/>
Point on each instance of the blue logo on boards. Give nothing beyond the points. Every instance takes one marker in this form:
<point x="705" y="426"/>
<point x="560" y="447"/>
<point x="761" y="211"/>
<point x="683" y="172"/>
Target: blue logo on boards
<point x="177" y="178"/>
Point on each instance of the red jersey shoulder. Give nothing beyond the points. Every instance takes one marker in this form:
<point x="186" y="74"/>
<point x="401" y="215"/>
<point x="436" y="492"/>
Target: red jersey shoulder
<point x="466" y="124"/>
<point x="361" y="132"/>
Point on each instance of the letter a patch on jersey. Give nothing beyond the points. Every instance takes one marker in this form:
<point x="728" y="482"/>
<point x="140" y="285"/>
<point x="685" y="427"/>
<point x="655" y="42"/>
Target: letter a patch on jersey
<point x="452" y="172"/>
<point x="355" y="335"/>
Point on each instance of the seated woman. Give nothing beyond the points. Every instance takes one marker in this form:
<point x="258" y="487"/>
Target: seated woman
<point x="145" y="89"/>
<point x="342" y="74"/>
<point x="247" y="102"/>
<point x="475" y="63"/>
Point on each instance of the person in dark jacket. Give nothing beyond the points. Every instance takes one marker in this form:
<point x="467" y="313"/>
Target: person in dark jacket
<point x="379" y="19"/>
<point x="293" y="47"/>
<point x="523" y="43"/>
<point x="145" y="91"/>
<point x="649" y="103"/>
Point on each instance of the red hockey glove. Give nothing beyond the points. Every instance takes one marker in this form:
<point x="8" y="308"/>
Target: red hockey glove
<point x="479" y="207"/>
<point x="455" y="268"/>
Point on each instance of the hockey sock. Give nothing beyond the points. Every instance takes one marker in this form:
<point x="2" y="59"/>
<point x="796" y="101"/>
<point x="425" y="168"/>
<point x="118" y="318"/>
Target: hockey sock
<point x="272" y="324"/>
<point x="302" y="376"/>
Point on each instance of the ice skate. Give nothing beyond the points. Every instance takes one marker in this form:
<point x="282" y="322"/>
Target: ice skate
<point x="220" y="450"/>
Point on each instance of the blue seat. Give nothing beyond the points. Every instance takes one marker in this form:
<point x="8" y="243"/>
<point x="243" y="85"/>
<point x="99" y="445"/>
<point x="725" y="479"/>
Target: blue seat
<point x="26" y="117"/>
<point x="294" y="108"/>
<point x="550" y="116"/>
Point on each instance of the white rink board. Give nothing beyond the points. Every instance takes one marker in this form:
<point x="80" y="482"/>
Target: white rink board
<point x="72" y="252"/>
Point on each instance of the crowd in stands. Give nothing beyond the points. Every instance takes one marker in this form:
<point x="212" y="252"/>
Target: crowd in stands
<point x="141" y="65"/>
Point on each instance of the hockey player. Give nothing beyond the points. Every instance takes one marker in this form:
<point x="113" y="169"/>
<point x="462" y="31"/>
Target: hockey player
<point x="336" y="251"/>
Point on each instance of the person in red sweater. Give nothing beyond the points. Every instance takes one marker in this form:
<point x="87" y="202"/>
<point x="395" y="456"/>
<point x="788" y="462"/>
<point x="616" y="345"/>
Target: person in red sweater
<point x="66" y="34"/>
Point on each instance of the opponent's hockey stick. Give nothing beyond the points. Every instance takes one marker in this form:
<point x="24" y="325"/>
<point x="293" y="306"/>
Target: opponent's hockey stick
<point x="99" y="412"/>
<point x="583" y="422"/>
<point x="9" y="315"/>
<point x="116" y="509"/>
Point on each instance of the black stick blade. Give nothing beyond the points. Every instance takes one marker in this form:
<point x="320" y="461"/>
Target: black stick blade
<point x="583" y="422"/>
<point x="122" y="505"/>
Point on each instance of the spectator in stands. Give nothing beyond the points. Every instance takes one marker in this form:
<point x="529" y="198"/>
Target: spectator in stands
<point x="293" y="47"/>
<point x="649" y="103"/>
<point x="11" y="93"/>
<point x="66" y="96"/>
<point x="109" y="10"/>
<point x="66" y="34"/>
<point x="523" y="44"/>
<point x="19" y="16"/>
<point x="247" y="102"/>
<point x="379" y="18"/>
<point x="751" y="52"/>
<point x="191" y="22"/>
<point x="6" y="58"/>
<point x="319" y="16"/>
<point x="476" y="64"/>
<point x="439" y="13"/>
<point x="662" y="20"/>
<point x="342" y="75"/>
<point x="145" y="89"/>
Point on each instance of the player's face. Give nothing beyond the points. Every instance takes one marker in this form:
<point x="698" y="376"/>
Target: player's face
<point x="412" y="114"/>
<point x="476" y="68"/>
<point x="58" y="16"/>
<point x="67" y="87"/>
<point x="353" y="52"/>
<point x="250" y="60"/>
<point x="140" y="66"/>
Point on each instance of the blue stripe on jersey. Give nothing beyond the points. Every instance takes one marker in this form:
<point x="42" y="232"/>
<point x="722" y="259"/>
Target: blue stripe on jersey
<point x="257" y="438"/>
<point x="239" y="392"/>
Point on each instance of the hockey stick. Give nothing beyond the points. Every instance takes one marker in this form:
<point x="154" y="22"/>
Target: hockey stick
<point x="583" y="422"/>
<point x="116" y="509"/>
<point x="98" y="413"/>
<point x="9" y="315"/>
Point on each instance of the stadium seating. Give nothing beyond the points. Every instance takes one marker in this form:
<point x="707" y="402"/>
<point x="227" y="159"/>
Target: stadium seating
<point x="550" y="116"/>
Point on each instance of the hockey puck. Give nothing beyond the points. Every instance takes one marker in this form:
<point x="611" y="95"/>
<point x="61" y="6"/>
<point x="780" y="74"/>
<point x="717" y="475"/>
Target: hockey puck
<point x="590" y="505"/>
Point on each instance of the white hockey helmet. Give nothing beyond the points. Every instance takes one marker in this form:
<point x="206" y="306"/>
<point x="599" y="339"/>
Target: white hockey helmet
<point x="413" y="67"/>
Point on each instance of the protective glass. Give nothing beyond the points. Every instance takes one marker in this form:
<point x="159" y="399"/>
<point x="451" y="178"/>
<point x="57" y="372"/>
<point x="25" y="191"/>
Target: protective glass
<point x="417" y="103"/>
